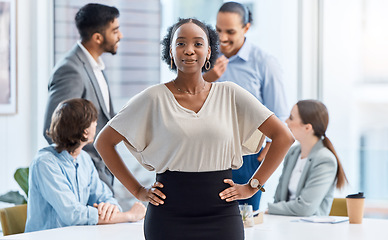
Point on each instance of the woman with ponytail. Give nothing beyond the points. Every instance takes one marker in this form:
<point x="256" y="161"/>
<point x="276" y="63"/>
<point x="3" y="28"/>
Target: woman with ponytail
<point x="312" y="168"/>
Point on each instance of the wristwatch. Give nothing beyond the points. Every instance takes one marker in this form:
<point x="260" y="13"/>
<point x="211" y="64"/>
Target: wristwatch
<point x="254" y="183"/>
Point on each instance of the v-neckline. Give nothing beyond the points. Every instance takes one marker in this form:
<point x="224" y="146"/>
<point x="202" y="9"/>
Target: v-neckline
<point x="189" y="110"/>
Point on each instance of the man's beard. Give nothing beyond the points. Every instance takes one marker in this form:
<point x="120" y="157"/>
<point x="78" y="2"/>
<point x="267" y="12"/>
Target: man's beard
<point x="109" y="48"/>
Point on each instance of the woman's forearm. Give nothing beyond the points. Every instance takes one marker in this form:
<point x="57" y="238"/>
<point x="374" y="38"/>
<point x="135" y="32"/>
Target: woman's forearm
<point x="105" y="144"/>
<point x="282" y="140"/>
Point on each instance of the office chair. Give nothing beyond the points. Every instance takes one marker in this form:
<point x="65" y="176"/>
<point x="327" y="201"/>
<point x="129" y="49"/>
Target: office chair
<point x="338" y="208"/>
<point x="13" y="219"/>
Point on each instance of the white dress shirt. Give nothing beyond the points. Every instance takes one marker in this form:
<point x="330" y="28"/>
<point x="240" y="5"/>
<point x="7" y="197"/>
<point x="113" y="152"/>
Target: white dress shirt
<point x="295" y="176"/>
<point x="98" y="67"/>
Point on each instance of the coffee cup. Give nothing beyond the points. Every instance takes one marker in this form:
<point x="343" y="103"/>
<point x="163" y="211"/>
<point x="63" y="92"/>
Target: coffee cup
<point x="355" y="207"/>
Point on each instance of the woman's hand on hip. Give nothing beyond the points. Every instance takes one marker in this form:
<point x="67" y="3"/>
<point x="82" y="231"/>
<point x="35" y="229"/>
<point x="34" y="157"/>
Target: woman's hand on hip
<point x="236" y="191"/>
<point x="153" y="194"/>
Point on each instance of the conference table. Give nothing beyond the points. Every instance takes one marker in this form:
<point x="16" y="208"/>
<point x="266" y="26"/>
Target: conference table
<point x="273" y="228"/>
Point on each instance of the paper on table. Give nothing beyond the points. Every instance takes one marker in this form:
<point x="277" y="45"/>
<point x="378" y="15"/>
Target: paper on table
<point x="315" y="219"/>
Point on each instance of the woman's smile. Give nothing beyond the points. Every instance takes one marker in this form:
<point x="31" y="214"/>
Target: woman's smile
<point x="189" y="61"/>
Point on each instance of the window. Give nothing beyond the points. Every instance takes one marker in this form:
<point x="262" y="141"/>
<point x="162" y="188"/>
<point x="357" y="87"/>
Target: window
<point x="355" y="86"/>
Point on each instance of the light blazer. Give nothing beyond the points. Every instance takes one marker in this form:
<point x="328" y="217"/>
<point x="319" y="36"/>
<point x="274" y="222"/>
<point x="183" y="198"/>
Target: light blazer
<point x="73" y="77"/>
<point x="316" y="186"/>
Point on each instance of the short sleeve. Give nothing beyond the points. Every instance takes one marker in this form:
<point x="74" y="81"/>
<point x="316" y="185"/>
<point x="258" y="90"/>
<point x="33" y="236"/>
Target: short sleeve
<point x="250" y="114"/>
<point x="135" y="123"/>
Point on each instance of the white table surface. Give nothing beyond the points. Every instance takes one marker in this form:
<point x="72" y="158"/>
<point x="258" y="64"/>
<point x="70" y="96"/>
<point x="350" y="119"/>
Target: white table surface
<point x="273" y="228"/>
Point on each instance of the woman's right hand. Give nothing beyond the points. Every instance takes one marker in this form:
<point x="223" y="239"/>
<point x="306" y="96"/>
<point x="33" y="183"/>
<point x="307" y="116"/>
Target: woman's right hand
<point x="152" y="194"/>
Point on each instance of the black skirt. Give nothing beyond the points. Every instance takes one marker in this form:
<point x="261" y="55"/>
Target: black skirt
<point x="193" y="208"/>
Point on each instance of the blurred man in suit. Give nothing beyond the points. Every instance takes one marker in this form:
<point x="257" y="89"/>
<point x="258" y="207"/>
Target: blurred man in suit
<point x="80" y="73"/>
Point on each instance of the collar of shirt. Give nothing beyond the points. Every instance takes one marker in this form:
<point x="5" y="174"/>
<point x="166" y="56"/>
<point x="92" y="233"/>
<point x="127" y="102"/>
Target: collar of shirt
<point x="95" y="65"/>
<point x="64" y="155"/>
<point x="244" y="51"/>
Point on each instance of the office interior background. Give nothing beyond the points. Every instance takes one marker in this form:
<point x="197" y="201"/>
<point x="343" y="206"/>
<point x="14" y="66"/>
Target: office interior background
<point x="332" y="50"/>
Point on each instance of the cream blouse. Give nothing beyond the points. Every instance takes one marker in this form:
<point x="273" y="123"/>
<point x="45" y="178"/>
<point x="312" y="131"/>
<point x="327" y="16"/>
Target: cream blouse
<point x="163" y="135"/>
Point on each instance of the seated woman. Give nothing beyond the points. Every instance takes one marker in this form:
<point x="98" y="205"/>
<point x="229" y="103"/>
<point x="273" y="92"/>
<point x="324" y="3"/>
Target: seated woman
<point x="64" y="187"/>
<point x="311" y="169"/>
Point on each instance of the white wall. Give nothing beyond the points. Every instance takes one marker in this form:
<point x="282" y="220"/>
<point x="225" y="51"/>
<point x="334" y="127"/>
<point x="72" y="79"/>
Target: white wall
<point x="20" y="134"/>
<point x="341" y="72"/>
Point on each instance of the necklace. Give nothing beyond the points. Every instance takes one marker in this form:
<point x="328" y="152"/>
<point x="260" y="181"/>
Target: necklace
<point x="185" y="91"/>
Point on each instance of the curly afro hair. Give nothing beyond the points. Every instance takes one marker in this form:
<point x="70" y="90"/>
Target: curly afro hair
<point x="211" y="35"/>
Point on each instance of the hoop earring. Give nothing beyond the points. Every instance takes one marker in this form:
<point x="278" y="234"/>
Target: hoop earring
<point x="172" y="63"/>
<point x="207" y="65"/>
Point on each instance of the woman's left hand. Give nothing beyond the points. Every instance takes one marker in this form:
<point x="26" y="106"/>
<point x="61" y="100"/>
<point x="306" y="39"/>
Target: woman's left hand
<point x="153" y="194"/>
<point x="236" y="191"/>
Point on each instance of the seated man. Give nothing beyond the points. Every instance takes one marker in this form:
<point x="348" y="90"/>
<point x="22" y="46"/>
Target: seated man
<point x="64" y="187"/>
